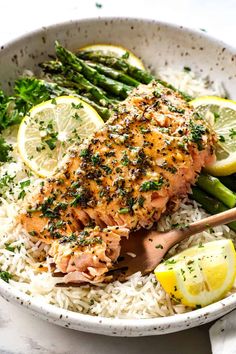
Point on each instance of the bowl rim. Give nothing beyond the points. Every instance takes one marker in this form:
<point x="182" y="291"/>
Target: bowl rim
<point x="176" y="26"/>
<point x="9" y="292"/>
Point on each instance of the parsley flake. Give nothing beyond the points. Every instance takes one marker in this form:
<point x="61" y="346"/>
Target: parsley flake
<point x="6" y="276"/>
<point x="152" y="185"/>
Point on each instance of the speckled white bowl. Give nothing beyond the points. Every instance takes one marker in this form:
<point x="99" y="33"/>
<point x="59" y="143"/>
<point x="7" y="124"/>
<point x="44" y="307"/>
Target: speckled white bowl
<point x="157" y="43"/>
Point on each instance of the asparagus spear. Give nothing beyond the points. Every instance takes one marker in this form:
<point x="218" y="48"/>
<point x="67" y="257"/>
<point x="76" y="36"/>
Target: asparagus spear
<point x="182" y="93"/>
<point x="89" y="97"/>
<point x="229" y="181"/>
<point x="104" y="112"/>
<point x="114" y="74"/>
<point x="66" y="77"/>
<point x="58" y="72"/>
<point x="117" y="63"/>
<point x="210" y="204"/>
<point x="52" y="67"/>
<point x="79" y="66"/>
<point x="137" y="75"/>
<point x="213" y="186"/>
<point x="121" y="64"/>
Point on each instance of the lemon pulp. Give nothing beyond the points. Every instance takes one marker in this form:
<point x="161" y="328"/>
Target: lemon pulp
<point x="199" y="275"/>
<point x="221" y="115"/>
<point x="51" y="128"/>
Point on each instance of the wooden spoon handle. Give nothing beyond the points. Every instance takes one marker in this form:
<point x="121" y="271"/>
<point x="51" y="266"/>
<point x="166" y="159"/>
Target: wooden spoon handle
<point x="177" y="235"/>
<point x="211" y="221"/>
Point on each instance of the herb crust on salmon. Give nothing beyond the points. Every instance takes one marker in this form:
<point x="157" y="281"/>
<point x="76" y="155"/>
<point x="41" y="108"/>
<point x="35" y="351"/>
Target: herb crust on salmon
<point x="138" y="166"/>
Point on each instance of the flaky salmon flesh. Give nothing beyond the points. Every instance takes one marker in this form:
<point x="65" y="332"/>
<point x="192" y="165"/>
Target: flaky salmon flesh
<point x="137" y="167"/>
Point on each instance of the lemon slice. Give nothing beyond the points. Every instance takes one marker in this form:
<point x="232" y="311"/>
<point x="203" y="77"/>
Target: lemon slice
<point x="50" y="128"/>
<point x="199" y="275"/>
<point x="221" y="114"/>
<point x="117" y="51"/>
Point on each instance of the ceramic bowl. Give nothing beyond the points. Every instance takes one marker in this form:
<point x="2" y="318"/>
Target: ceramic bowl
<point x="158" y="44"/>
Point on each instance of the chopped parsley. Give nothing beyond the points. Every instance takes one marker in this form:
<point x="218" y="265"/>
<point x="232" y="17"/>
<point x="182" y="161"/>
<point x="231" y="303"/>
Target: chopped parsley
<point x="183" y="273"/>
<point x="232" y="133"/>
<point x="54" y="101"/>
<point x="6" y="184"/>
<point x="77" y="106"/>
<point x="71" y="238"/>
<point x="187" y="69"/>
<point x="98" y="5"/>
<point x="5" y="150"/>
<point x="221" y="138"/>
<point x="82" y="197"/>
<point x="6" y="276"/>
<point x="145" y="130"/>
<point x="77" y="117"/>
<point x="125" y="55"/>
<point x="33" y="233"/>
<point x="48" y="209"/>
<point x="82" y="239"/>
<point x="130" y="203"/>
<point x="170" y="261"/>
<point x="49" y="135"/>
<point x="52" y="141"/>
<point x="9" y="247"/>
<point x="85" y="241"/>
<point x="125" y="160"/>
<point x="22" y="186"/>
<point x="141" y="200"/>
<point x="22" y="194"/>
<point x="152" y="185"/>
<point x="25" y="183"/>
<point x="196" y="133"/>
<point x="176" y="109"/>
<point x="157" y="93"/>
<point x="183" y="146"/>
<point x="107" y="169"/>
<point x="85" y="153"/>
<point x="96" y="159"/>
<point x="216" y="116"/>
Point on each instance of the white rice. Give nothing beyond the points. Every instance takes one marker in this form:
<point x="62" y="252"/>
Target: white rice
<point x="140" y="296"/>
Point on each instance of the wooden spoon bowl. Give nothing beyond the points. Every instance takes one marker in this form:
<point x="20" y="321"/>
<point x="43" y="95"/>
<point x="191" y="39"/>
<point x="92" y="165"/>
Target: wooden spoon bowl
<point x="145" y="249"/>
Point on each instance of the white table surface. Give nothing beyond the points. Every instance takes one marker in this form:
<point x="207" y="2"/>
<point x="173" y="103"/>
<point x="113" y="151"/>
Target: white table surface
<point x="20" y="332"/>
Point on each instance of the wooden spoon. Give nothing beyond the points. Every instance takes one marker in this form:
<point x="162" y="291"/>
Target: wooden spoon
<point x="145" y="249"/>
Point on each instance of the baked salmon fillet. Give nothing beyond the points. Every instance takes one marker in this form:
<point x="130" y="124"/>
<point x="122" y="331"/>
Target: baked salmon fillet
<point x="138" y="166"/>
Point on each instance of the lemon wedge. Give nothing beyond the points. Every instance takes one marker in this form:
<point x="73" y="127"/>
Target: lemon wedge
<point x="199" y="275"/>
<point x="221" y="114"/>
<point x="50" y="128"/>
<point x="117" y="51"/>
